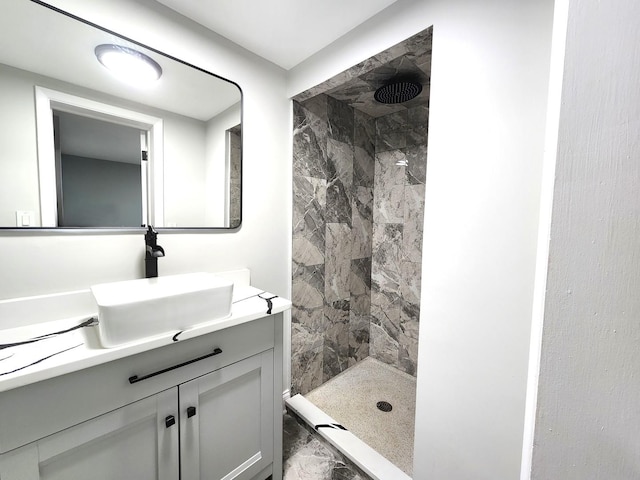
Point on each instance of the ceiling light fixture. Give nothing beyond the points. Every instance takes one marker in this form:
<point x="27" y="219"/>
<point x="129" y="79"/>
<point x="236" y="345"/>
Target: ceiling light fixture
<point x="128" y="65"/>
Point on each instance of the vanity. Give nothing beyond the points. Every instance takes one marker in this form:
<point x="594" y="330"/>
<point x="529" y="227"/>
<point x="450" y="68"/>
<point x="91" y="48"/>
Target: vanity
<point x="205" y="402"/>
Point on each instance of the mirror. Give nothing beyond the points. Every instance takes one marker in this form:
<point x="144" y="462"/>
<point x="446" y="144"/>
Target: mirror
<point x="81" y="149"/>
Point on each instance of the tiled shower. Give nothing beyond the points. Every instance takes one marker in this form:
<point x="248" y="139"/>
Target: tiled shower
<point x="359" y="171"/>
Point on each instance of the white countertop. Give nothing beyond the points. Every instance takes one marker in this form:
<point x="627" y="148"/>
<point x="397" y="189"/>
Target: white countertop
<point x="81" y="348"/>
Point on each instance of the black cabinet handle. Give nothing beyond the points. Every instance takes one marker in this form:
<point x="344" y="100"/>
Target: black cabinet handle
<point x="191" y="411"/>
<point x="135" y="379"/>
<point x="170" y="421"/>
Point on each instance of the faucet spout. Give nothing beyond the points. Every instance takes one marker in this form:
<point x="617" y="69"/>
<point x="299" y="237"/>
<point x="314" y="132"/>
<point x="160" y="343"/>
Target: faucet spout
<point x="152" y="252"/>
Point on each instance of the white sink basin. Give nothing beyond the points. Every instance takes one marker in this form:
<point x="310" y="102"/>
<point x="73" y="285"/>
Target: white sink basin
<point x="135" y="309"/>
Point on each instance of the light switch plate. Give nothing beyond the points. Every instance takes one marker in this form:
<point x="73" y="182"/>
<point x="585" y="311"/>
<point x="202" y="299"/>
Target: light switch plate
<point x="24" y="218"/>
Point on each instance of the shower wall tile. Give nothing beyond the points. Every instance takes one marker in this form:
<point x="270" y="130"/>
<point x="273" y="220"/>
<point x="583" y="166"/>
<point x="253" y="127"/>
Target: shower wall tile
<point x="341" y="121"/>
<point x="363" y="167"/>
<point x="382" y="346"/>
<point x="387" y="257"/>
<point x="413" y="222"/>
<point x="388" y="196"/>
<point x="360" y="280"/>
<point x="416" y="158"/>
<point x="306" y="371"/>
<point x="359" y="327"/>
<point x="388" y="206"/>
<point x="362" y="222"/>
<point x="388" y="172"/>
<point x="408" y="347"/>
<point x="307" y="340"/>
<point x="411" y="283"/>
<point x="317" y="106"/>
<point x="339" y="181"/>
<point x="338" y="262"/>
<point x="391" y="132"/>
<point x="309" y="143"/>
<point x="364" y="150"/>
<point x="417" y="125"/>
<point x="308" y="220"/>
<point x="336" y="339"/>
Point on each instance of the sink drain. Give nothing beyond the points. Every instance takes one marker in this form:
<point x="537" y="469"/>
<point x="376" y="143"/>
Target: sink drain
<point x="384" y="406"/>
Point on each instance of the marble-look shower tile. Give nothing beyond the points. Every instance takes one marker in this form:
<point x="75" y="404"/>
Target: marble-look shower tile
<point x="308" y="220"/>
<point x="350" y="92"/>
<point x="359" y="326"/>
<point x="409" y="317"/>
<point x="360" y="314"/>
<point x="306" y="371"/>
<point x="364" y="131"/>
<point x="413" y="222"/>
<point x="318" y="106"/>
<point x="411" y="282"/>
<point x="307" y="341"/>
<point x="307" y="457"/>
<point x="360" y="281"/>
<point x="308" y="285"/>
<point x="417" y="125"/>
<point x="387" y="257"/>
<point x="416" y="158"/>
<point x="388" y="172"/>
<point x="363" y="167"/>
<point x="419" y="46"/>
<point x="341" y="121"/>
<point x="362" y="222"/>
<point x="408" y="348"/>
<point x="339" y="182"/>
<point x="364" y="150"/>
<point x="382" y="346"/>
<point x="388" y="204"/>
<point x="337" y="262"/>
<point x="336" y="340"/>
<point x="310" y="135"/>
<point x="391" y="140"/>
<point x="390" y="131"/>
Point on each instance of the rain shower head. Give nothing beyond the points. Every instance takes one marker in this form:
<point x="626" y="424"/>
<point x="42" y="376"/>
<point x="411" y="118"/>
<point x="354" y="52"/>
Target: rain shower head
<point x="398" y="92"/>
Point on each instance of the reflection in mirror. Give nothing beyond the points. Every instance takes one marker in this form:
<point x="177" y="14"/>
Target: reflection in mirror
<point x="98" y="172"/>
<point x="66" y="121"/>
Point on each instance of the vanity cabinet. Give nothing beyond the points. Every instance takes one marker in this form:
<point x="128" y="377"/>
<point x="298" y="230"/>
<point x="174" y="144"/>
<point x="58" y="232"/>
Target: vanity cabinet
<point x="207" y="417"/>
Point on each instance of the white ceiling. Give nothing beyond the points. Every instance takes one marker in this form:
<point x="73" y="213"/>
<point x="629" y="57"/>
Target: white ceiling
<point x="285" y="32"/>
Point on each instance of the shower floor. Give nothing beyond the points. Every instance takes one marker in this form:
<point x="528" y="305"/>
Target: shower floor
<point x="351" y="398"/>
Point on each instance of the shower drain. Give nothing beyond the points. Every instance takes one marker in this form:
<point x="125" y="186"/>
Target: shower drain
<point x="384" y="406"/>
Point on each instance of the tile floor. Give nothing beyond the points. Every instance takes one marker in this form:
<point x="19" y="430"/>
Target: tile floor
<point x="307" y="457"/>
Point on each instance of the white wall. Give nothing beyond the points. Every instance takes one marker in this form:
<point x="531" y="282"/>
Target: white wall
<point x="588" y="416"/>
<point x="488" y="100"/>
<point x="18" y="153"/>
<point x="37" y="264"/>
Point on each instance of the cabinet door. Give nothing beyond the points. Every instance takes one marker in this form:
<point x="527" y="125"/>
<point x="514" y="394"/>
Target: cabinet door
<point x="131" y="442"/>
<point x="226" y="421"/>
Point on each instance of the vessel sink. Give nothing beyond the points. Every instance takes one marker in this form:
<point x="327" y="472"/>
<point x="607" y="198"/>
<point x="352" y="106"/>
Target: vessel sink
<point x="136" y="309"/>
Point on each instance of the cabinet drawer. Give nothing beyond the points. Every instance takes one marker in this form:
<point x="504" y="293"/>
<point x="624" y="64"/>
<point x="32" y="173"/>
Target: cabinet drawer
<point x="34" y="411"/>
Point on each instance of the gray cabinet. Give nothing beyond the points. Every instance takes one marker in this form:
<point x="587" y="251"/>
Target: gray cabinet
<point x="217" y="422"/>
<point x="130" y="442"/>
<point x="229" y="434"/>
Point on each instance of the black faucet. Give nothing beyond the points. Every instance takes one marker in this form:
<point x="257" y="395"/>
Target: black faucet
<point x="153" y="251"/>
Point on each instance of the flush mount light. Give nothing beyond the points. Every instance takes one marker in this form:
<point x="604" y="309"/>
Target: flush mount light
<point x="128" y="65"/>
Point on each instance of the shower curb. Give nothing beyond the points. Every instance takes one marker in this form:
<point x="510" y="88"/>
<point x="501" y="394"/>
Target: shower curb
<point x="358" y="452"/>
